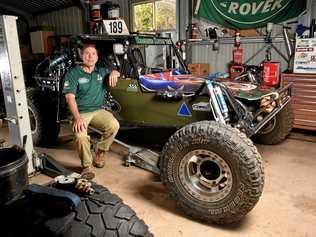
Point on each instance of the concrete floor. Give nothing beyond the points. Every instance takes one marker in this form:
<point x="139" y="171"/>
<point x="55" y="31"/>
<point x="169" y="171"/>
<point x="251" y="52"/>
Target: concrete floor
<point x="286" y="208"/>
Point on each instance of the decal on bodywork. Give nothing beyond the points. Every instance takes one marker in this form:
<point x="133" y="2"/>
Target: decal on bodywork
<point x="184" y="110"/>
<point x="202" y="106"/>
<point x="132" y="88"/>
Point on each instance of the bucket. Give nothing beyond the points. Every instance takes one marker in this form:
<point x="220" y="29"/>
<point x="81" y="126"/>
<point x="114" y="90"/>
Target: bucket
<point x="270" y="73"/>
<point x="13" y="174"/>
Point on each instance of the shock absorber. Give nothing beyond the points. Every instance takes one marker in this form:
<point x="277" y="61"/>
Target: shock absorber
<point x="217" y="102"/>
<point x="221" y="101"/>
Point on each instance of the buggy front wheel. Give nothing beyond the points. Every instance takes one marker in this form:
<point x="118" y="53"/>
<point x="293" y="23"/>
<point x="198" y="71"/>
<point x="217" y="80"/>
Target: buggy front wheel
<point x="212" y="171"/>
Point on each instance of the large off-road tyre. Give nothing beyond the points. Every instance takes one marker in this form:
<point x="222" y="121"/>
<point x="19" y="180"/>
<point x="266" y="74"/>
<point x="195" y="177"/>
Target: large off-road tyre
<point x="42" y="112"/>
<point x="213" y="171"/>
<point x="102" y="214"/>
<point x="276" y="130"/>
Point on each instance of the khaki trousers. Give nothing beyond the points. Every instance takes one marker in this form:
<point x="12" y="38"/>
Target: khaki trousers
<point x="103" y="121"/>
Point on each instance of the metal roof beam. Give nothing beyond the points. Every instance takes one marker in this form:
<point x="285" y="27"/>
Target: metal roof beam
<point x="25" y="15"/>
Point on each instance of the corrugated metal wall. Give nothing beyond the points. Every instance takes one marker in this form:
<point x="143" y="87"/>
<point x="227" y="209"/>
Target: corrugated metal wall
<point x="65" y="21"/>
<point x="70" y="20"/>
<point x="182" y="18"/>
<point x="219" y="59"/>
<point x="124" y="9"/>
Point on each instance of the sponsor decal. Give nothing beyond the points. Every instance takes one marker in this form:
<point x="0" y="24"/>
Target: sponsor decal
<point x="99" y="78"/>
<point x="66" y="84"/>
<point x="302" y="46"/>
<point x="83" y="80"/>
<point x="184" y="111"/>
<point x="304" y="50"/>
<point x="202" y="106"/>
<point x="302" y="55"/>
<point x="132" y="88"/>
<point x="301" y="62"/>
<point x="313" y="58"/>
<point x="306" y="68"/>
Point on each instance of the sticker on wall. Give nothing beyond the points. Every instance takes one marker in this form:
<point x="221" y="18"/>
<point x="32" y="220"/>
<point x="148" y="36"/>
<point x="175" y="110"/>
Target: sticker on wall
<point x="184" y="111"/>
<point x="132" y="88"/>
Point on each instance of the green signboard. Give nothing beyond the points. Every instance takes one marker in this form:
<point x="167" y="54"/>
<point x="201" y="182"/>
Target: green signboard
<point x="245" y="14"/>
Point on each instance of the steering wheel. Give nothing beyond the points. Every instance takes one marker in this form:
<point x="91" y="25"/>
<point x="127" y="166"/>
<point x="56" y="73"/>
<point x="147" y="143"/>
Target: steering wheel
<point x="143" y="69"/>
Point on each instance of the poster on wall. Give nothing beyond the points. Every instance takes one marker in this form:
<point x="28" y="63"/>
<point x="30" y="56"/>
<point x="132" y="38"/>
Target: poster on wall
<point x="247" y="14"/>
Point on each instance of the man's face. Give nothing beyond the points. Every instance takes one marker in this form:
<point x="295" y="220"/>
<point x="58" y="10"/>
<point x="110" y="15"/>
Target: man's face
<point x="89" y="56"/>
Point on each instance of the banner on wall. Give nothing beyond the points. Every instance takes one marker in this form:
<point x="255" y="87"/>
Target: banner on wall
<point x="246" y="14"/>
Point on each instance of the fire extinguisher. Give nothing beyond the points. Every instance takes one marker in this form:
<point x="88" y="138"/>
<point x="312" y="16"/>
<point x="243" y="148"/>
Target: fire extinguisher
<point x="237" y="52"/>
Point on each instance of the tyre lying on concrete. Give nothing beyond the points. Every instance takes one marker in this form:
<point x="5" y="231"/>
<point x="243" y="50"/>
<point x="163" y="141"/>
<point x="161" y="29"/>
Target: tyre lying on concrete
<point x="101" y="214"/>
<point x="214" y="172"/>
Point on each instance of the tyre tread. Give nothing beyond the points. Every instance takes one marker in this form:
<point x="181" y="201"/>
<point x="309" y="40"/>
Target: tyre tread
<point x="250" y="159"/>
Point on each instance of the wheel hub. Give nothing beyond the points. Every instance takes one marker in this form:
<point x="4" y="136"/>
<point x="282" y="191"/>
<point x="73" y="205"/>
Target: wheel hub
<point x="205" y="175"/>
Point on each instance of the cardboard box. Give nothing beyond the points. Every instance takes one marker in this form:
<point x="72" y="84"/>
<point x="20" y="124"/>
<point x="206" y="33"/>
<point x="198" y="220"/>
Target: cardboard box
<point x="39" y="41"/>
<point x="243" y="33"/>
<point x="199" y="68"/>
<point x="305" y="55"/>
<point x="25" y="52"/>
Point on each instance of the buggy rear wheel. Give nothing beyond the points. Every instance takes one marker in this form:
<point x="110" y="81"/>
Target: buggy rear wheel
<point x="42" y="113"/>
<point x="277" y="129"/>
<point x="212" y="171"/>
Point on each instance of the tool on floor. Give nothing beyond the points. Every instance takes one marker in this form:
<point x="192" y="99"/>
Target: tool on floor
<point x="138" y="156"/>
<point x="74" y="184"/>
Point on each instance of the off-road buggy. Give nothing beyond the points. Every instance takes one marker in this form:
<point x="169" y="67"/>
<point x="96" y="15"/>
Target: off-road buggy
<point x="210" y="166"/>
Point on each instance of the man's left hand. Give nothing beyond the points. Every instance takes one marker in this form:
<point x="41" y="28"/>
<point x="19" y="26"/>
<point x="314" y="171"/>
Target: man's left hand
<point x="114" y="75"/>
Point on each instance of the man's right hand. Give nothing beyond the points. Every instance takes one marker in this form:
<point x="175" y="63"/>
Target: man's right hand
<point x="79" y="125"/>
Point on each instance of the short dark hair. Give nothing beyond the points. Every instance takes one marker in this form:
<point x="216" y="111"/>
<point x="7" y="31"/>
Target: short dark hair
<point x="87" y="45"/>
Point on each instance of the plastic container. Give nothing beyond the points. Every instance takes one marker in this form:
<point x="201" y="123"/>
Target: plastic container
<point x="13" y="174"/>
<point x="271" y="73"/>
<point x="96" y="12"/>
<point x="238" y="55"/>
<point x="235" y="71"/>
<point x="114" y="11"/>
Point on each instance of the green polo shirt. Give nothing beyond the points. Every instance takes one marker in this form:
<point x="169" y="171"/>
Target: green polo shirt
<point x="89" y="88"/>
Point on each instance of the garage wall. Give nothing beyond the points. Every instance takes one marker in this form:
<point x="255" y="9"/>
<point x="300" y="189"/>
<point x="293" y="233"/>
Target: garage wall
<point x="71" y="20"/>
<point x="65" y="21"/>
<point x="218" y="60"/>
<point x="124" y="9"/>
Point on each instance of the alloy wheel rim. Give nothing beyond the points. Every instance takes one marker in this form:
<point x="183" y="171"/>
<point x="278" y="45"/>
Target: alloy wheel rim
<point x="205" y="175"/>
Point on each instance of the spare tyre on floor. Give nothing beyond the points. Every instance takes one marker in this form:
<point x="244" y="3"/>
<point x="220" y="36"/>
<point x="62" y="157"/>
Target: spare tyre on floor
<point x="101" y="214"/>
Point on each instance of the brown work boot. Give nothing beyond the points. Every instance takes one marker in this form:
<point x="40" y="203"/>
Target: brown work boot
<point x="99" y="160"/>
<point x="87" y="173"/>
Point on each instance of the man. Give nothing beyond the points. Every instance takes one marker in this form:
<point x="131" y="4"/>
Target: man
<point x="84" y="89"/>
